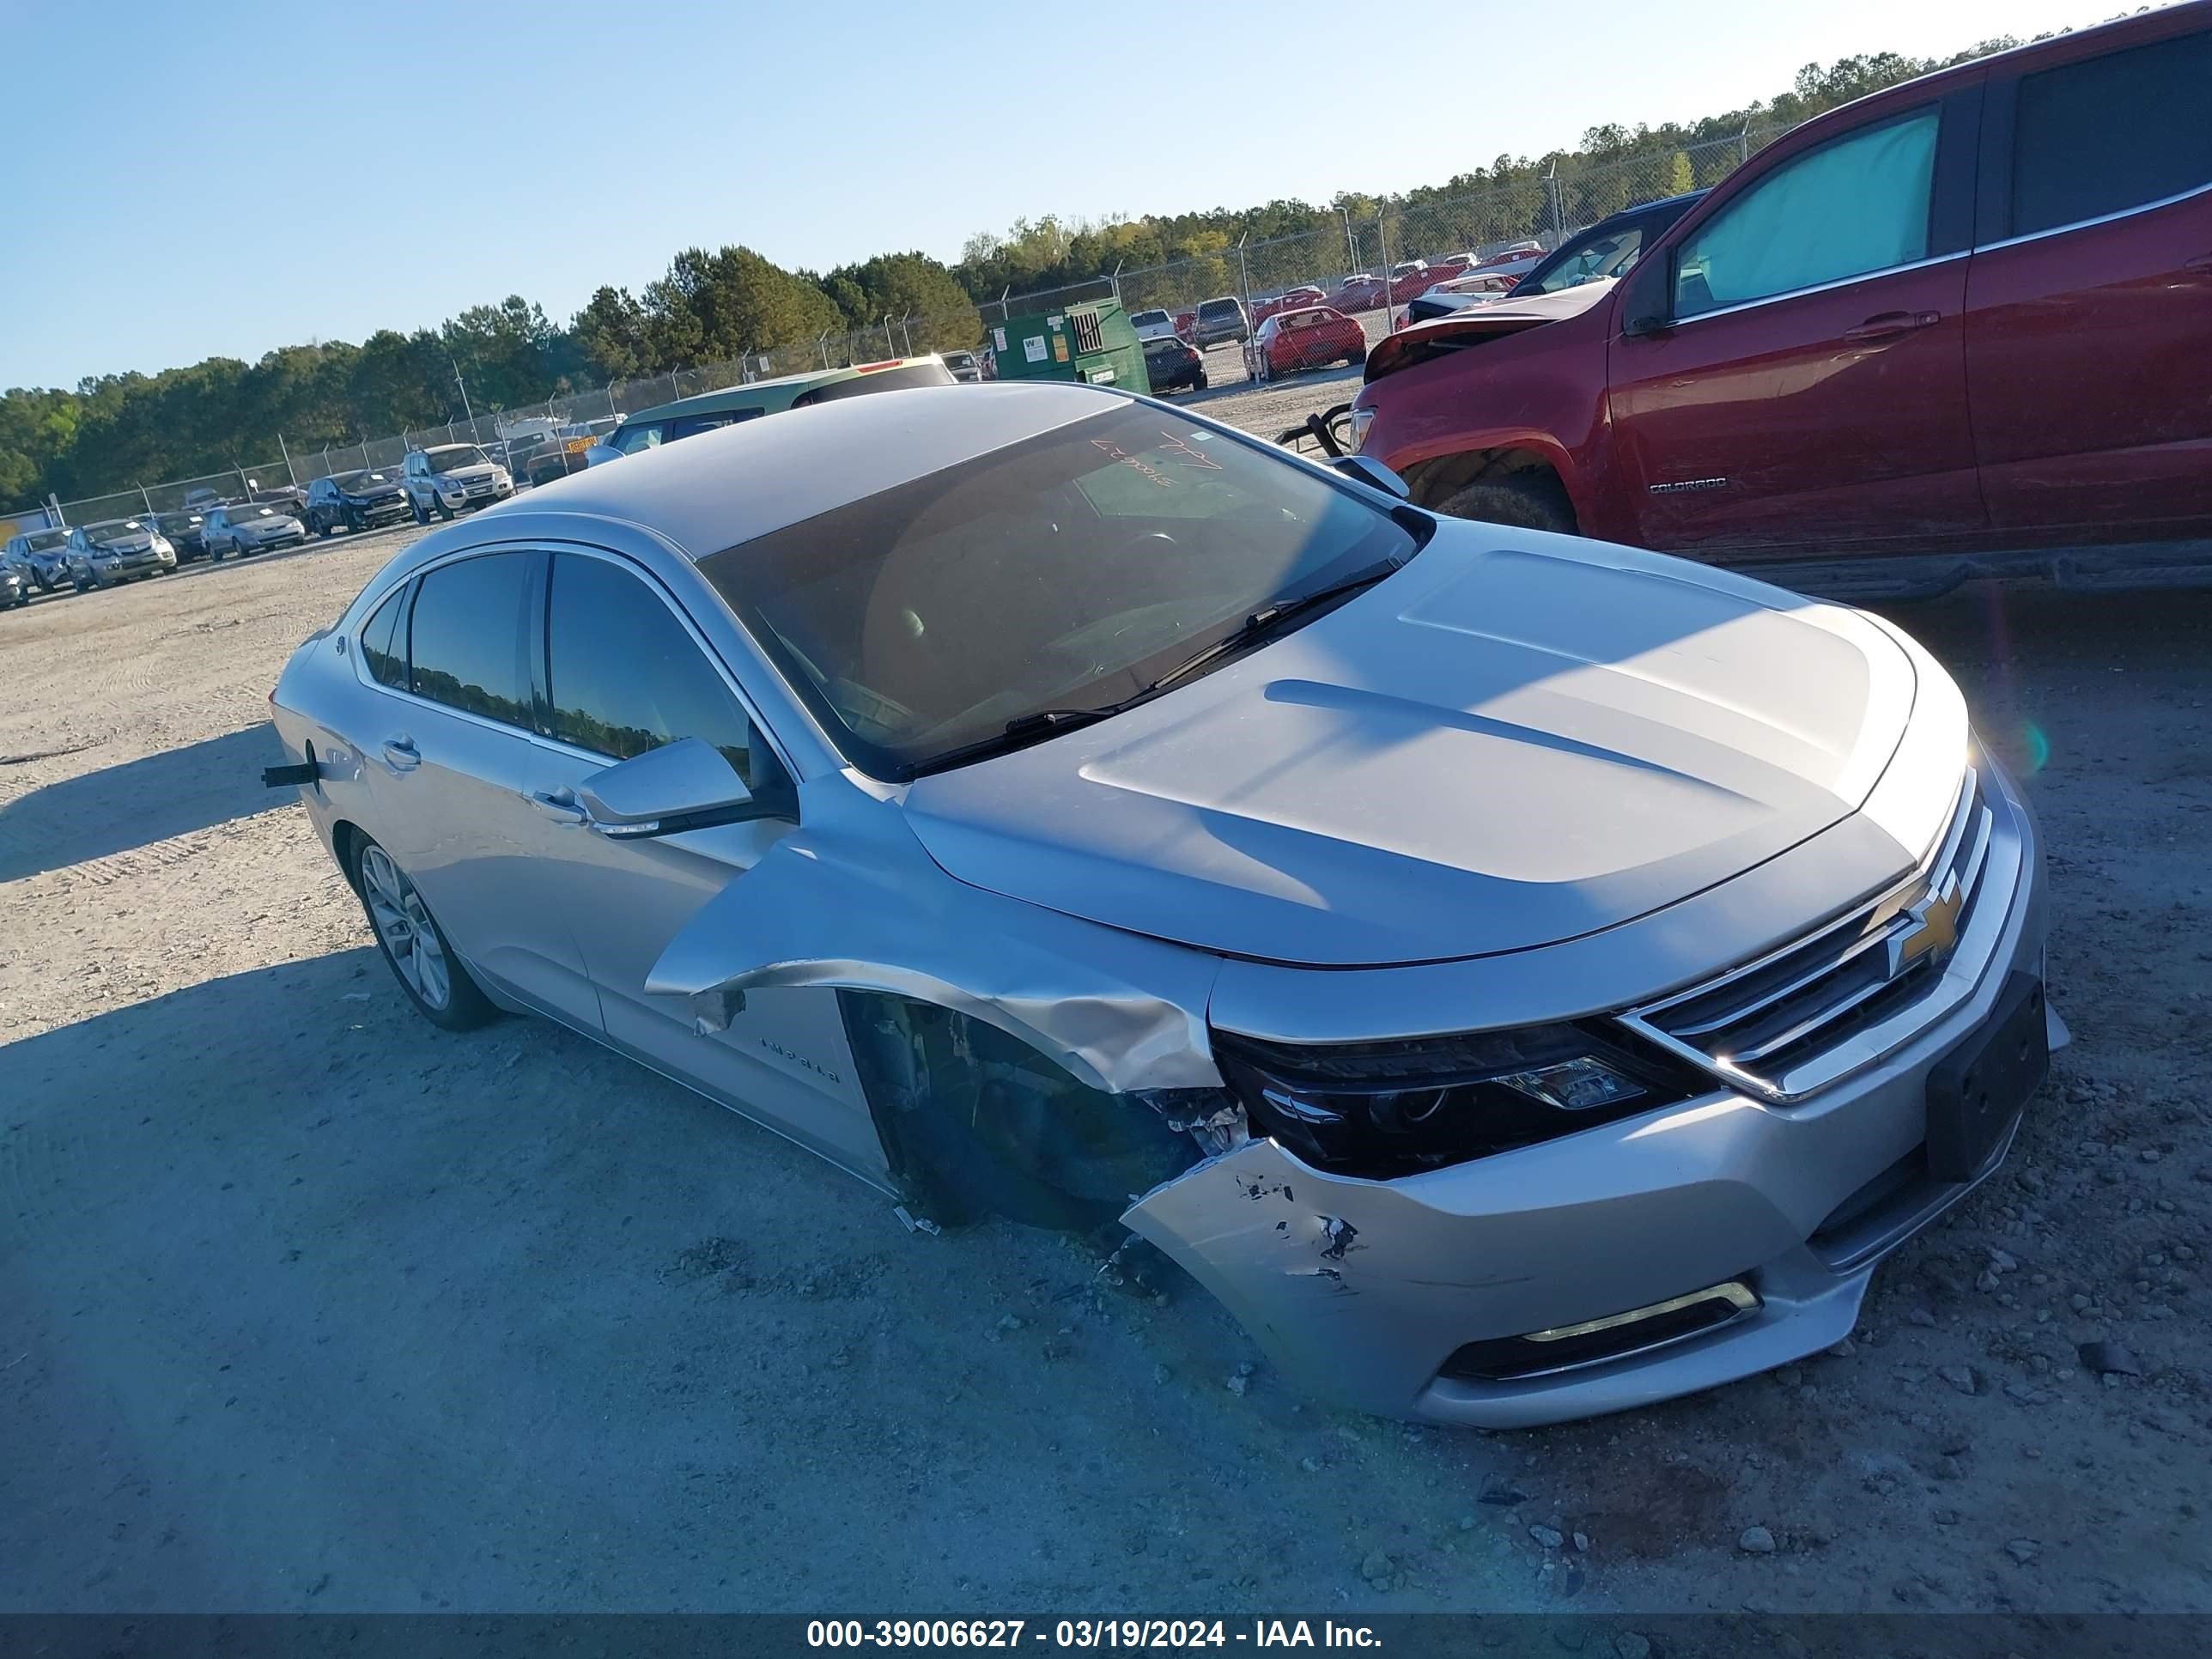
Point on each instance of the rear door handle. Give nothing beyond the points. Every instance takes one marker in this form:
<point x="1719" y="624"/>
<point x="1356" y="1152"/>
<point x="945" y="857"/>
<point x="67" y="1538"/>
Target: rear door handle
<point x="561" y="807"/>
<point x="1888" y="324"/>
<point x="400" y="753"/>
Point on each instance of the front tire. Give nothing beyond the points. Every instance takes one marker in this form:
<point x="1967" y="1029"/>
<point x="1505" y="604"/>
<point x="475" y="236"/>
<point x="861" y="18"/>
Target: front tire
<point x="415" y="947"/>
<point x="1525" y="500"/>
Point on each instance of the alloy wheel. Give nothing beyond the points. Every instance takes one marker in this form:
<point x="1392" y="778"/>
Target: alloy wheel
<point x="404" y="925"/>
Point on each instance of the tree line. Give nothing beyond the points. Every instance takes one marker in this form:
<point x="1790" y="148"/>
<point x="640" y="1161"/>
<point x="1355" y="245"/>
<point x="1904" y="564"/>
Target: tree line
<point x="112" y="431"/>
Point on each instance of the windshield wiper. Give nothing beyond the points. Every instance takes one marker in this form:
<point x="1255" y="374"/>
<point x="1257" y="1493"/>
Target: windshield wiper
<point x="1261" y="624"/>
<point x="1266" y="621"/>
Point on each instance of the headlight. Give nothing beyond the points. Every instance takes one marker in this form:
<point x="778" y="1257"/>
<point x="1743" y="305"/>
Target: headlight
<point x="1383" y="1109"/>
<point x="161" y="544"/>
<point x="499" y="474"/>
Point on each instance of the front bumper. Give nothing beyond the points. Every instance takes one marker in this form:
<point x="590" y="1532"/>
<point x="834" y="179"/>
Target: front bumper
<point x="473" y="495"/>
<point x="1365" y="1290"/>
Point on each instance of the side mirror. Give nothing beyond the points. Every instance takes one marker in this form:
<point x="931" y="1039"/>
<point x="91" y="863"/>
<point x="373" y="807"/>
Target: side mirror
<point x="1372" y="473"/>
<point x="687" y="785"/>
<point x="598" y="452"/>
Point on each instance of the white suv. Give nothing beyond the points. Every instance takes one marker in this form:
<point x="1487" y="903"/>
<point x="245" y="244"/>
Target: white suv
<point x="451" y="479"/>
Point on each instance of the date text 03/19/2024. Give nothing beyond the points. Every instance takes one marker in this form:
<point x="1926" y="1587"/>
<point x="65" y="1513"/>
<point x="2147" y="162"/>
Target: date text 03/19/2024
<point x="1085" y="1634"/>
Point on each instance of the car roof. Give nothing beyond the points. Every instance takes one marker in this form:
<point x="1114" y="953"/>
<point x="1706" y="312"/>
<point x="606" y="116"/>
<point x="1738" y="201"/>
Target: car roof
<point x="719" y="489"/>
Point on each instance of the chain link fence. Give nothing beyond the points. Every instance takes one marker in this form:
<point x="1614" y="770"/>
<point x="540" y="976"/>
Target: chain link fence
<point x="1367" y="262"/>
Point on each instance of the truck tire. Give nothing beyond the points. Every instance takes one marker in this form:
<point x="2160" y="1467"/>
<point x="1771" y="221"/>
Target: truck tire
<point x="1525" y="500"/>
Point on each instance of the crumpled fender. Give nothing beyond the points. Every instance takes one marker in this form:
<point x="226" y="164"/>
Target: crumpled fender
<point x="850" y="899"/>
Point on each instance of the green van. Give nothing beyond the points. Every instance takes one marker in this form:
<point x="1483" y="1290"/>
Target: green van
<point x="649" y="429"/>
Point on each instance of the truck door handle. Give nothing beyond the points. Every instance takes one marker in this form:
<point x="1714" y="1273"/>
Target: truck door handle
<point x="400" y="753"/>
<point x="561" y="807"/>
<point x="1888" y="324"/>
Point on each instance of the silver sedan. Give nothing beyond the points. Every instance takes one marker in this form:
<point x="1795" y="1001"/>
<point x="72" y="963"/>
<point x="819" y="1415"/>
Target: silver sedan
<point x="1522" y="977"/>
<point x="247" y="528"/>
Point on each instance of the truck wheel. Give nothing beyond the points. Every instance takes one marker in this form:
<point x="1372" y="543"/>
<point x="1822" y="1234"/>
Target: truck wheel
<point x="1357" y="357"/>
<point x="1199" y="385"/>
<point x="1525" y="500"/>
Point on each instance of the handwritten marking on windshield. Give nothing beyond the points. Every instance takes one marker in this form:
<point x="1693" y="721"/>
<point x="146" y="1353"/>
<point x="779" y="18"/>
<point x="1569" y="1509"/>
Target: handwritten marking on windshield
<point x="1197" y="458"/>
<point x="1143" y="468"/>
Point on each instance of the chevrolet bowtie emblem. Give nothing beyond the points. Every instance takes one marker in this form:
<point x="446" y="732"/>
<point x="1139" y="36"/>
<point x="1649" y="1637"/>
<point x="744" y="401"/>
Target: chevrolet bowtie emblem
<point x="1932" y="931"/>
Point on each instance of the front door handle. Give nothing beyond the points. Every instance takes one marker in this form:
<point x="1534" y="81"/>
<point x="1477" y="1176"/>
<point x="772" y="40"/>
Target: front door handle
<point x="1888" y="324"/>
<point x="400" y="753"/>
<point x="560" y="806"/>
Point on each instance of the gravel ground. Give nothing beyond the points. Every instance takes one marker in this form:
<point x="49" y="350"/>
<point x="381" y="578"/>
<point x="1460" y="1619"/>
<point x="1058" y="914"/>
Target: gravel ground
<point x="305" y="1304"/>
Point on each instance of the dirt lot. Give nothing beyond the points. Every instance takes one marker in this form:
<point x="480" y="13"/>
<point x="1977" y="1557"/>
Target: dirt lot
<point x="305" y="1304"/>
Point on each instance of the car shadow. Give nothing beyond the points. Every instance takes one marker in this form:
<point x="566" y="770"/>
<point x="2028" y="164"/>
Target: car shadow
<point x="134" y="803"/>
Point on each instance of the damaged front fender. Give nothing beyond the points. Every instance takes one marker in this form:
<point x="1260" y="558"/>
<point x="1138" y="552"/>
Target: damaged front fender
<point x="850" y="900"/>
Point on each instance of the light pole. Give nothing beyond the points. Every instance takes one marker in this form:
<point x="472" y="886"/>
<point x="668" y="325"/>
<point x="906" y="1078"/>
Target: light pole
<point x="464" y="386"/>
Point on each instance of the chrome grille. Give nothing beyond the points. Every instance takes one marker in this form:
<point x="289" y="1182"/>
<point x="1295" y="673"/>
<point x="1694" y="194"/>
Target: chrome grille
<point x="1758" y="1024"/>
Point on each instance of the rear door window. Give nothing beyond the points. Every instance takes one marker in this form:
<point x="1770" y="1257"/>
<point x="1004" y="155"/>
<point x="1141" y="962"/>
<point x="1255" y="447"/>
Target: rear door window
<point x="690" y="426"/>
<point x="2111" y="133"/>
<point x="465" y="641"/>
<point x="384" y="642"/>
<point x="1854" y="206"/>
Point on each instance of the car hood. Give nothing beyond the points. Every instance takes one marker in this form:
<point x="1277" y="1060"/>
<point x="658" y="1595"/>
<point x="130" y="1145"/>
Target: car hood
<point x="464" y="474"/>
<point x="127" y="547"/>
<point x="1482" y="318"/>
<point x="1507" y="744"/>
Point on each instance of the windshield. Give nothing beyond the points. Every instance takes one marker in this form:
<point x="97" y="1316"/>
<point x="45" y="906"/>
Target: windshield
<point x="1609" y="255"/>
<point x="40" y="540"/>
<point x="177" y="523"/>
<point x="1147" y="318"/>
<point x="121" y="530"/>
<point x="1217" y="309"/>
<point x="456" y="455"/>
<point x="354" y="483"/>
<point x="1069" y="570"/>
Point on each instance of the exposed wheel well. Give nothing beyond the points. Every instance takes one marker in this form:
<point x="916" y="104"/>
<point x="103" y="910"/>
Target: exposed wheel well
<point x="344" y="835"/>
<point x="976" y="1122"/>
<point x="1435" y="481"/>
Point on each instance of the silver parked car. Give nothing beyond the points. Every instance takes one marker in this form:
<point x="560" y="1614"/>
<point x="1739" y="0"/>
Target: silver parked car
<point x="450" y="479"/>
<point x="117" y="550"/>
<point x="39" y="556"/>
<point x="1522" y="977"/>
<point x="246" y="527"/>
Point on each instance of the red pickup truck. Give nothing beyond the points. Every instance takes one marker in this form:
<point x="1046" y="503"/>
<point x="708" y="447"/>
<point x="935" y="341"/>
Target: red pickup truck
<point x="1962" y="327"/>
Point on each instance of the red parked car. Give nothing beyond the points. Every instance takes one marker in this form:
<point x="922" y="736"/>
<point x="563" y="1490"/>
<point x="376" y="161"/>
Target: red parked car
<point x="1291" y="341"/>
<point x="1362" y="293"/>
<point x="1412" y="277"/>
<point x="1960" y="328"/>
<point x="1291" y="300"/>
<point x="1518" y="250"/>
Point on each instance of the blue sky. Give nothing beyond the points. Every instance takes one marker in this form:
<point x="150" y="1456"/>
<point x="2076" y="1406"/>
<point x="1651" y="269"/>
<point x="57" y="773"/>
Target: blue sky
<point x="187" y="180"/>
